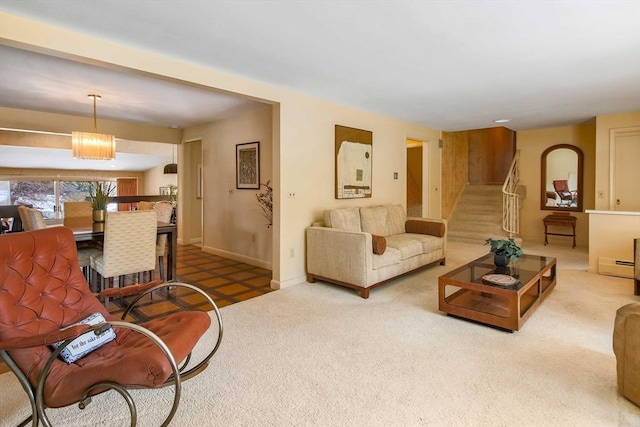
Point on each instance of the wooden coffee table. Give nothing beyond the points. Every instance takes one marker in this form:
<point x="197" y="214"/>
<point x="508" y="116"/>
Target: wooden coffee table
<point x="464" y="293"/>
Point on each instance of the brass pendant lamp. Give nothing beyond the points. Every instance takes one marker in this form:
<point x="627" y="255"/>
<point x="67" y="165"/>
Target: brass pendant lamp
<point x="94" y="146"/>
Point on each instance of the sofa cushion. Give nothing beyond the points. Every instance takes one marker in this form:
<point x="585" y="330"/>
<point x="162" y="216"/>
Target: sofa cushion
<point x="384" y="220"/>
<point x="343" y="219"/>
<point x="432" y="228"/>
<point x="396" y="219"/>
<point x="407" y="246"/>
<point x="429" y="243"/>
<point x="391" y="256"/>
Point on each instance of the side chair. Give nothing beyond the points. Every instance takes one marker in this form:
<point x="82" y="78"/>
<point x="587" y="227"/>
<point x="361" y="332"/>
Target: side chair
<point x="43" y="300"/>
<point x="129" y="245"/>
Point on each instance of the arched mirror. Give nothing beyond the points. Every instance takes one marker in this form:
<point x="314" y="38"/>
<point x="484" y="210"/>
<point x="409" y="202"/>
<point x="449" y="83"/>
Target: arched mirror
<point x="561" y="178"/>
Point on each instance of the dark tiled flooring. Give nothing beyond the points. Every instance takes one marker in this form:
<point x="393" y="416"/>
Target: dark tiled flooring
<point x="226" y="281"/>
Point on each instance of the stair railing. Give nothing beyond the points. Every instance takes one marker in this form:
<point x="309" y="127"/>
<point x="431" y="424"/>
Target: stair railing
<point x="511" y="200"/>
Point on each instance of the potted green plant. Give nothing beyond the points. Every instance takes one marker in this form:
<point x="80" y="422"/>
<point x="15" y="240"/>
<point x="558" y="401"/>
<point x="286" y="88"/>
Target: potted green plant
<point x="504" y="251"/>
<point x="100" y="196"/>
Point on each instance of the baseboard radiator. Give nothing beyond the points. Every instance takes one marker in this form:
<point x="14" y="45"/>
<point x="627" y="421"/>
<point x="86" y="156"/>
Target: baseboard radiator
<point x="615" y="267"/>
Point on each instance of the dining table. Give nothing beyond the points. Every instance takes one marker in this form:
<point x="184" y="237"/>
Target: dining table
<point x="84" y="230"/>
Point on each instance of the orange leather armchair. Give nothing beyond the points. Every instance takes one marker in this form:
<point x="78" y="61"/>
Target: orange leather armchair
<point x="43" y="290"/>
<point x="566" y="196"/>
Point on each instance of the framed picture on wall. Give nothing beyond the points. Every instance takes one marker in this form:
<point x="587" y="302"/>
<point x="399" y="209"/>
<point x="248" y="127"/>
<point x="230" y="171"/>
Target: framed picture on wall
<point x="164" y="191"/>
<point x="354" y="158"/>
<point x="248" y="165"/>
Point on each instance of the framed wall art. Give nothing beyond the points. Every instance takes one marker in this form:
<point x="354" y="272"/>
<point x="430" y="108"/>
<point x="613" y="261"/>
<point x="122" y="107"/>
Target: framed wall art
<point x="248" y="165"/>
<point x="354" y="158"/>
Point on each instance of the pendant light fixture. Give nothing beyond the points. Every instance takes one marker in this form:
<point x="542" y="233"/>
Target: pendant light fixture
<point x="171" y="167"/>
<point x="95" y="146"/>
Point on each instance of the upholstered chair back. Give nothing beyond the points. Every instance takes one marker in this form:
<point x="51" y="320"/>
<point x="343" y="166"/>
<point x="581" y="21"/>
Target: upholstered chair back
<point x="77" y="209"/>
<point x="129" y="244"/>
<point x="41" y="290"/>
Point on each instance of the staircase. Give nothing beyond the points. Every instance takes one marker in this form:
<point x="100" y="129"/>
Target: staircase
<point x="477" y="215"/>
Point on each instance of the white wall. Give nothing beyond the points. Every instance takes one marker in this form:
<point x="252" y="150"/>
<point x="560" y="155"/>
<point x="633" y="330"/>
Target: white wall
<point x="303" y="135"/>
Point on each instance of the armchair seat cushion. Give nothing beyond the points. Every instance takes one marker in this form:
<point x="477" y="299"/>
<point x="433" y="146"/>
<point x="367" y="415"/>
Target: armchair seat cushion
<point x="131" y="359"/>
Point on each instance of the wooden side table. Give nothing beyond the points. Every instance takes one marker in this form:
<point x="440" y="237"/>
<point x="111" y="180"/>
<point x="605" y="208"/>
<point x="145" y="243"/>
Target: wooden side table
<point x="561" y="220"/>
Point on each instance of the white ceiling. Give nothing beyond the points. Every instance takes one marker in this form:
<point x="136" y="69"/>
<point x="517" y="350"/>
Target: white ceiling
<point x="445" y="64"/>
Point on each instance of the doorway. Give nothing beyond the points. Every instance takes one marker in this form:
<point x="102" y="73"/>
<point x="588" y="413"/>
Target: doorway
<point x="416" y="174"/>
<point x="625" y="174"/>
<point x="191" y="188"/>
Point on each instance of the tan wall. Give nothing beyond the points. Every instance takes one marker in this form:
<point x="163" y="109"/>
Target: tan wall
<point x="531" y="144"/>
<point x="232" y="219"/>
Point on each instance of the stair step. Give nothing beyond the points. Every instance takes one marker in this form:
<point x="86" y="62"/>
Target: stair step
<point x="477" y="215"/>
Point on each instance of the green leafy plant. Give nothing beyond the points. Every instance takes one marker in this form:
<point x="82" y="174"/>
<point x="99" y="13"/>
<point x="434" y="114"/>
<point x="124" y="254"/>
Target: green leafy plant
<point x="173" y="193"/>
<point x="100" y="195"/>
<point x="265" y="201"/>
<point x="505" y="247"/>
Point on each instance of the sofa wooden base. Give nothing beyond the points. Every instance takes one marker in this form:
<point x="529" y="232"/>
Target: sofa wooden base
<point x="364" y="292"/>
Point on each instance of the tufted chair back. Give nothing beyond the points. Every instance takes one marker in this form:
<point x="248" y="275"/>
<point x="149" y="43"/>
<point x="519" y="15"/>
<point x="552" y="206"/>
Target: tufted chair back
<point x="41" y="290"/>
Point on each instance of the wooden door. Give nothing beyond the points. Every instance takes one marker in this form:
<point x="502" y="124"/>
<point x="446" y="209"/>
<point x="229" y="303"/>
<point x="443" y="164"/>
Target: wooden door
<point x="625" y="171"/>
<point x="490" y="154"/>
<point x="127" y="187"/>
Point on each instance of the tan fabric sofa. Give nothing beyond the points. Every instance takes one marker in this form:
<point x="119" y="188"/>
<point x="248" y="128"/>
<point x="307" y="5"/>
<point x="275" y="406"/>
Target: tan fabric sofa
<point x="341" y="250"/>
<point x="626" y="346"/>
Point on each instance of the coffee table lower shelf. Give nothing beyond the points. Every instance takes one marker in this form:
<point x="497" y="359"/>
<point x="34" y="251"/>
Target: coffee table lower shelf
<point x="493" y="310"/>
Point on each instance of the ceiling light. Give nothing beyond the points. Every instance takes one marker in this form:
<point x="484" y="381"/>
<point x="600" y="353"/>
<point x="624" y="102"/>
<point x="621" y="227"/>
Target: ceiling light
<point x="95" y="146"/>
<point x="171" y="167"/>
<point x="502" y="121"/>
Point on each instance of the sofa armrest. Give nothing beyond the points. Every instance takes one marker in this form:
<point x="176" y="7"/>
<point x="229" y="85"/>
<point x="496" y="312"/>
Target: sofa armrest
<point x="433" y="227"/>
<point x="341" y="255"/>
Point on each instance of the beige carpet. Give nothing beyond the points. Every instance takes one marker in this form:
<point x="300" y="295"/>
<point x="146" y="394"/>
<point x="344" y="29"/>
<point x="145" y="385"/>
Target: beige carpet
<point x="320" y="355"/>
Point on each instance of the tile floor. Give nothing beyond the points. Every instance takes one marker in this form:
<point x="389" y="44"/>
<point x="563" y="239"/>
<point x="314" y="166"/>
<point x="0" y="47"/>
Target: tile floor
<point x="226" y="281"/>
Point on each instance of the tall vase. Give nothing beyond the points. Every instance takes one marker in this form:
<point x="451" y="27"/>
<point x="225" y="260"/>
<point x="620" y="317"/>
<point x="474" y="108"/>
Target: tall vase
<point x="98" y="215"/>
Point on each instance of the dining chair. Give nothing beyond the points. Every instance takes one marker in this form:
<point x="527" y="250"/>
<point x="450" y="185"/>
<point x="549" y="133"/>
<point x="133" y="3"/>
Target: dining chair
<point x="24" y="217"/>
<point x="129" y="246"/>
<point x="64" y="347"/>
<point x="77" y="209"/>
<point x="163" y="212"/>
<point x="145" y="206"/>
<point x="32" y="219"/>
<point x="86" y="250"/>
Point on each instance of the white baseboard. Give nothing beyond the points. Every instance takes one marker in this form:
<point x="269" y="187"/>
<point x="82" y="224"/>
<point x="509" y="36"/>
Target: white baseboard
<point x="238" y="257"/>
<point x="287" y="283"/>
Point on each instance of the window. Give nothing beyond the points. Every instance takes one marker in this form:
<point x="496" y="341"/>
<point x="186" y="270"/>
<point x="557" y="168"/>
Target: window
<point x="45" y="195"/>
